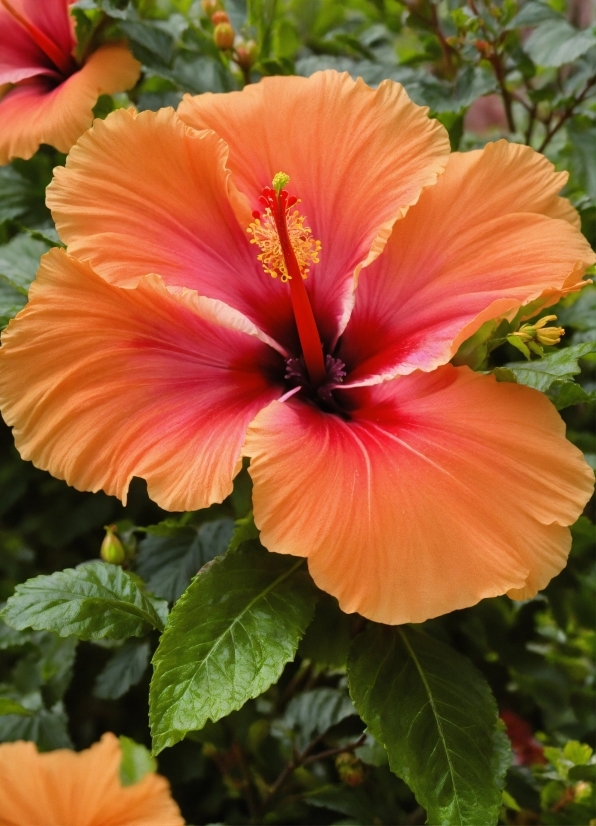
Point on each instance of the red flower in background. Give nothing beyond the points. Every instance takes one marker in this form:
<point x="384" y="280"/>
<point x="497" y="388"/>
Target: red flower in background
<point x="527" y="751"/>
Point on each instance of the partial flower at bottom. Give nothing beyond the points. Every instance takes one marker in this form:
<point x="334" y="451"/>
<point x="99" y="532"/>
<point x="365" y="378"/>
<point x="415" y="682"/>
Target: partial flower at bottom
<point x="65" y="788"/>
<point x="283" y="274"/>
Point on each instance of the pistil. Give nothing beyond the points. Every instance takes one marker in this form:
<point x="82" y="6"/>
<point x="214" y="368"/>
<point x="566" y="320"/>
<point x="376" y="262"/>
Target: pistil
<point x="63" y="62"/>
<point x="278" y="203"/>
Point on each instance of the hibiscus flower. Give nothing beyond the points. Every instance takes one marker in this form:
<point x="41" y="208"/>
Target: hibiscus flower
<point x="45" y="95"/>
<point x="160" y="345"/>
<point x="79" y="789"/>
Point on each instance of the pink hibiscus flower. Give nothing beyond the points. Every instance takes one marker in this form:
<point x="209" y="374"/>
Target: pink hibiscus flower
<point x="160" y="345"/>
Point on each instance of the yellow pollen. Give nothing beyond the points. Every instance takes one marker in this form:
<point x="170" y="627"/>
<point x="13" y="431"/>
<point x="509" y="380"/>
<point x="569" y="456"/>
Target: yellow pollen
<point x="280" y="179"/>
<point x="265" y="236"/>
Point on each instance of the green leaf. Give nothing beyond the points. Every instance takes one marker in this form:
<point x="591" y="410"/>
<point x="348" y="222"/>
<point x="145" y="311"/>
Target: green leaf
<point x="47" y="728"/>
<point x="586" y="773"/>
<point x="15" y="193"/>
<point x="327" y="638"/>
<point x="136" y="762"/>
<point x="227" y="639"/>
<point x="91" y="602"/>
<point x="582" y="138"/>
<point x="556" y="42"/>
<point x="19" y="261"/>
<point x="532" y="13"/>
<point x="244" y="530"/>
<point x="8" y="706"/>
<point x="436" y="717"/>
<point x="123" y="670"/>
<point x="12" y="302"/>
<point x="355" y="803"/>
<point x="314" y="712"/>
<point x="543" y="373"/>
<point x="148" y="41"/>
<point x="172" y="554"/>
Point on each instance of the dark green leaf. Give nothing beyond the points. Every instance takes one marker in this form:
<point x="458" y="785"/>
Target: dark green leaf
<point x="436" y="717"/>
<point x="136" y="762"/>
<point x="556" y="42"/>
<point x="582" y="137"/>
<point x="169" y="559"/>
<point x="148" y="41"/>
<point x="355" y="803"/>
<point x="314" y="712"/>
<point x="8" y="706"/>
<point x="533" y="13"/>
<point x="19" y="261"/>
<point x="328" y="636"/>
<point x="586" y="773"/>
<point x="12" y="301"/>
<point x="227" y="639"/>
<point x="91" y="602"/>
<point x="542" y="373"/>
<point x="15" y="193"/>
<point x="47" y="728"/>
<point x="244" y="530"/>
<point x="123" y="670"/>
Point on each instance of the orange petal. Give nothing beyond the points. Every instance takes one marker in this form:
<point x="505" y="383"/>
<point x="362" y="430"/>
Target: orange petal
<point x="485" y="240"/>
<point x="145" y="193"/>
<point x="103" y="383"/>
<point x="37" y="111"/>
<point x="63" y="787"/>
<point x="357" y="158"/>
<point x="440" y="490"/>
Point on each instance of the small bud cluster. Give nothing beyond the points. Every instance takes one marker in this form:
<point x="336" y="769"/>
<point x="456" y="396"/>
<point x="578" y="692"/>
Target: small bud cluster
<point x="243" y="52"/>
<point x="531" y="338"/>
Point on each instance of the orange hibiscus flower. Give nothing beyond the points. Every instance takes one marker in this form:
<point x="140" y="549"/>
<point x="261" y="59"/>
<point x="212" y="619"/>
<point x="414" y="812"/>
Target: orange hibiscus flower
<point x="45" y="96"/>
<point x="63" y="788"/>
<point x="161" y="346"/>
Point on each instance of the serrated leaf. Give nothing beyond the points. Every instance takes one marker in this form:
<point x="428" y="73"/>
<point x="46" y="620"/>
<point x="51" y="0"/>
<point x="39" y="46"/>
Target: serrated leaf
<point x="314" y="712"/>
<point x="554" y="43"/>
<point x="436" y="717"/>
<point x="123" y="670"/>
<point x="136" y="762"/>
<point x="169" y="559"/>
<point x="8" y="706"/>
<point x="91" y="602"/>
<point x="542" y="373"/>
<point x="227" y="639"/>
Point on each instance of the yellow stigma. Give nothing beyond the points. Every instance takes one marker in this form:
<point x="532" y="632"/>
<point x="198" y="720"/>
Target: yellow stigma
<point x="266" y="237"/>
<point x="280" y="179"/>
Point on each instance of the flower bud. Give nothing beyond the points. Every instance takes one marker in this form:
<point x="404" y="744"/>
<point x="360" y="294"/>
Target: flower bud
<point x="219" y="17"/>
<point x="210" y="6"/>
<point x="223" y="36"/>
<point x="349" y="768"/>
<point x="246" y="53"/>
<point x="112" y="550"/>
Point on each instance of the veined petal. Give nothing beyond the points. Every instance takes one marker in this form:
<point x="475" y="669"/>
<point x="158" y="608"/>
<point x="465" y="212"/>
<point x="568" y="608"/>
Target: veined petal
<point x="102" y="383"/>
<point x="79" y="789"/>
<point x="489" y="237"/>
<point x="37" y="111"/>
<point x="357" y="158"/>
<point x="20" y="57"/>
<point x="441" y="489"/>
<point x="145" y="193"/>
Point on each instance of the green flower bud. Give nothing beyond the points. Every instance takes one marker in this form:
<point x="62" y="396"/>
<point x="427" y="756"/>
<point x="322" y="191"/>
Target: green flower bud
<point x="112" y="550"/>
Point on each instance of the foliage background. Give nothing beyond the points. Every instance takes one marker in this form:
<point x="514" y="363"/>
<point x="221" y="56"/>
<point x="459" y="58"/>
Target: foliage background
<point x="525" y="71"/>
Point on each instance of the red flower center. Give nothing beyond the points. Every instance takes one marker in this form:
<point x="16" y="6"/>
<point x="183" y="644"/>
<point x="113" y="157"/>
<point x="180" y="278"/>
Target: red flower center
<point x="63" y="62"/>
<point x="287" y="250"/>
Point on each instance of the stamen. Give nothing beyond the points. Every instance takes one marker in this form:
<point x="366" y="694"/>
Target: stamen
<point x="287" y="250"/>
<point x="63" y="62"/>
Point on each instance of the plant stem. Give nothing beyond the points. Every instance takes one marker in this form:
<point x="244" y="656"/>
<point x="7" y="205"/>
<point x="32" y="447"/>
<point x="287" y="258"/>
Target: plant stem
<point x="567" y="113"/>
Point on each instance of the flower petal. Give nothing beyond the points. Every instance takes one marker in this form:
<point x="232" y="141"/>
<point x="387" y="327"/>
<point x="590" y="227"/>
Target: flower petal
<point x="37" y="111"/>
<point x="144" y="193"/>
<point x="487" y="239"/>
<point x="103" y="383"/>
<point x="20" y="57"/>
<point x="441" y="490"/>
<point x="81" y="789"/>
<point x="357" y="158"/>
